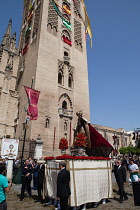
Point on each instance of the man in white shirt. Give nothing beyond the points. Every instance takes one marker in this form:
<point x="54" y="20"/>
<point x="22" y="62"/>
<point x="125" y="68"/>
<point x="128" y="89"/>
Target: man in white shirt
<point x="133" y="169"/>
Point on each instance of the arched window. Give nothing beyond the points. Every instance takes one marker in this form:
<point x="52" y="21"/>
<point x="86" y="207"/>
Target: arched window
<point x="65" y="126"/>
<point x="66" y="17"/>
<point x="49" y="28"/>
<point x="34" y="35"/>
<point x="80" y="47"/>
<point x="65" y="135"/>
<point x="76" y="44"/>
<point x="47" y="123"/>
<point x="54" y="31"/>
<point x="65" y="53"/>
<point x="60" y="78"/>
<point x="64" y="105"/>
<point x="66" y="34"/>
<point x="70" y="82"/>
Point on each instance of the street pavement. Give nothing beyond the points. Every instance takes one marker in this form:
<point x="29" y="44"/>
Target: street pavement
<point x="14" y="202"/>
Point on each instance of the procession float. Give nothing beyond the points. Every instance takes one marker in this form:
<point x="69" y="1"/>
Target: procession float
<point x="89" y="165"/>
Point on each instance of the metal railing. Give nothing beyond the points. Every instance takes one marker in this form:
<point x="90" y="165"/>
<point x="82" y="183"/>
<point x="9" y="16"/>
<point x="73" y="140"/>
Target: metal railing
<point x="66" y="59"/>
<point x="65" y="112"/>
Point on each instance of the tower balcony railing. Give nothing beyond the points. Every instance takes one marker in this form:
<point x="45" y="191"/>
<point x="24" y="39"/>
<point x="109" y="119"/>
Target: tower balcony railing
<point x="65" y="112"/>
<point x="66" y="59"/>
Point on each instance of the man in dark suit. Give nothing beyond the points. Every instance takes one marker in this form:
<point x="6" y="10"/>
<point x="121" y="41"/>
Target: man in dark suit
<point x="26" y="180"/>
<point x="63" y="189"/>
<point x="120" y="175"/>
<point x="41" y="172"/>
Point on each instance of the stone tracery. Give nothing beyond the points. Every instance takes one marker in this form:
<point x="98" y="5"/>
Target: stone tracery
<point x="52" y="18"/>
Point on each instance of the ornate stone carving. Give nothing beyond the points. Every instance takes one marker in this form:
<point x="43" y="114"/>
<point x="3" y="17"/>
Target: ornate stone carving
<point x="60" y="72"/>
<point x="71" y="69"/>
<point x="61" y="66"/>
<point x="36" y="20"/>
<point x="77" y="8"/>
<point x="70" y="76"/>
<point x="14" y="94"/>
<point x="8" y="72"/>
<point x="78" y="34"/>
<point x="52" y="18"/>
<point x="65" y="95"/>
<point x="22" y="39"/>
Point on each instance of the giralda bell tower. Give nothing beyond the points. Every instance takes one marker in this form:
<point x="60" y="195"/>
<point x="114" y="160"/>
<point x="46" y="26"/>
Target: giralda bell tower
<point x="54" y="61"/>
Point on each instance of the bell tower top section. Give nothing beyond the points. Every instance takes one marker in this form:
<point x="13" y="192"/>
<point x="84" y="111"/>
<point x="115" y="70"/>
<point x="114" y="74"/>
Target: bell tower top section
<point x="64" y="19"/>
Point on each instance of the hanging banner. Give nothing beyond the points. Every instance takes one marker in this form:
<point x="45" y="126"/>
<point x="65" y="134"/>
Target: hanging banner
<point x="31" y="7"/>
<point x="30" y="15"/>
<point x="27" y="31"/>
<point x="9" y="148"/>
<point x="67" y="24"/>
<point x="57" y="10"/>
<point x="66" y="9"/>
<point x="25" y="49"/>
<point x="33" y="96"/>
<point x="88" y="27"/>
<point x="66" y="40"/>
<point x="86" y="21"/>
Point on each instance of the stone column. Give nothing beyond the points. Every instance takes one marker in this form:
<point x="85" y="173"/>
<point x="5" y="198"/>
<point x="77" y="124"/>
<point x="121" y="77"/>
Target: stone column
<point x="38" y="148"/>
<point x="10" y="168"/>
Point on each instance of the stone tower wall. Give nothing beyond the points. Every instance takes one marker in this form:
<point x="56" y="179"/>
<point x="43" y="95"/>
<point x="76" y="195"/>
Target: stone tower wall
<point x="43" y="60"/>
<point x="8" y="74"/>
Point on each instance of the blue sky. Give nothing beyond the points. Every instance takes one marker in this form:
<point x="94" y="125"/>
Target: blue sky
<point x="113" y="62"/>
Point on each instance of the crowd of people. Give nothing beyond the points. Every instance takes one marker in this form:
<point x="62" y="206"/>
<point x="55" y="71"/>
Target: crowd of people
<point x="121" y="165"/>
<point x="32" y="169"/>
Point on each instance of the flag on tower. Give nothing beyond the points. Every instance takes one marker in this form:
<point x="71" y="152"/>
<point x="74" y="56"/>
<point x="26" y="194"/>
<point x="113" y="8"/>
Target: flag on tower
<point x="33" y="96"/>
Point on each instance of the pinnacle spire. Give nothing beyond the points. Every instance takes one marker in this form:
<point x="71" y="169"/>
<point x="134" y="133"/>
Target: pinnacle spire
<point x="9" y="28"/>
<point x="14" y="36"/>
<point x="6" y="38"/>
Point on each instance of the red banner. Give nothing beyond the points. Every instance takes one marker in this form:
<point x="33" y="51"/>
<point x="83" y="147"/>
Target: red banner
<point x="66" y="40"/>
<point x="33" y="96"/>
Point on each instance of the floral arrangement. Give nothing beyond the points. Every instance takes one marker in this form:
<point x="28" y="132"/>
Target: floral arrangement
<point x="63" y="144"/>
<point x="81" y="140"/>
<point x="69" y="157"/>
<point x="49" y="158"/>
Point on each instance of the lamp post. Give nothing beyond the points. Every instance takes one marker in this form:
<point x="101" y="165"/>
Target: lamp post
<point x="25" y="127"/>
<point x="115" y="142"/>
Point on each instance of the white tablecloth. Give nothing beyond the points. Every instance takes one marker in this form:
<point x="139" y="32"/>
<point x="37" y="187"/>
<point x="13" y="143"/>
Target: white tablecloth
<point x="90" y="180"/>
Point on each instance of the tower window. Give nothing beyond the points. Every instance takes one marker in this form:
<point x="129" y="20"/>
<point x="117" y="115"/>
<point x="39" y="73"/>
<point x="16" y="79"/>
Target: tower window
<point x="64" y="105"/>
<point x="60" y="78"/>
<point x="65" y="53"/>
<point x="65" y="135"/>
<point x="54" y="31"/>
<point x="70" y="82"/>
<point x="49" y="27"/>
<point x="47" y="123"/>
<point x="65" y="126"/>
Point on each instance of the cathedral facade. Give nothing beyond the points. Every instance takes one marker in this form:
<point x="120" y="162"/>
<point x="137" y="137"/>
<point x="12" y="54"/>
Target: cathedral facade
<point x="9" y="58"/>
<point x="52" y="59"/>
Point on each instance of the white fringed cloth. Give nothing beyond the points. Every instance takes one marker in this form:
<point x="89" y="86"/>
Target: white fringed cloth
<point x="91" y="180"/>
